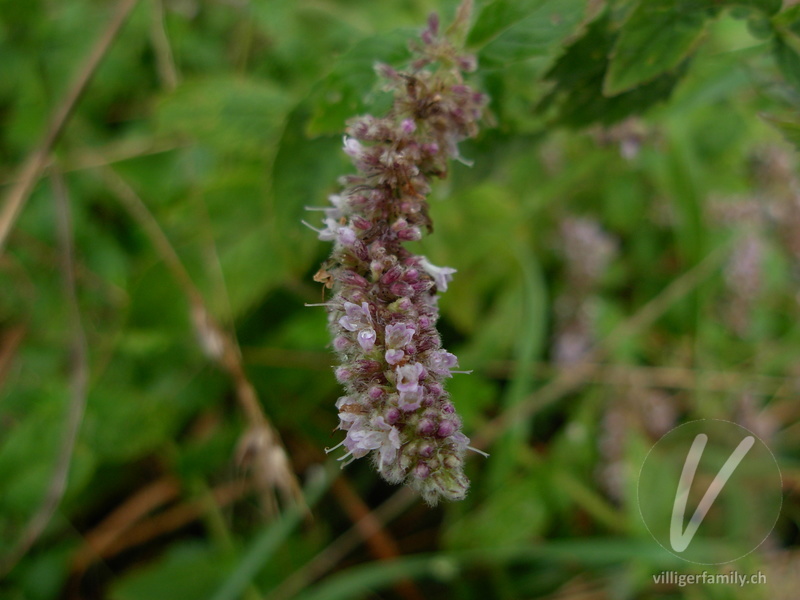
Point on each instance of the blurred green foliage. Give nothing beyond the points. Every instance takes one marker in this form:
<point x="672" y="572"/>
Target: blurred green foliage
<point x="657" y="121"/>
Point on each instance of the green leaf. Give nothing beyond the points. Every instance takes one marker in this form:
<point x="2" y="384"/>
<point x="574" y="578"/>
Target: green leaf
<point x="760" y="27"/>
<point x="504" y="519"/>
<point x="788" y="20"/>
<point x="508" y="31"/>
<point x="346" y="91"/>
<point x="787" y="59"/>
<point x="251" y="267"/>
<point x="789" y="128"/>
<point x="43" y="575"/>
<point x="29" y="451"/>
<point x="188" y="572"/>
<point x="140" y="402"/>
<point x="769" y="7"/>
<point x="473" y="396"/>
<point x="303" y="174"/>
<point x="577" y="99"/>
<point x="786" y="48"/>
<point x="230" y="114"/>
<point x="487" y="211"/>
<point x="655" y="39"/>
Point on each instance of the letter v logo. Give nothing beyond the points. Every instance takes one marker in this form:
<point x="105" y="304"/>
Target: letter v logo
<point x="679" y="538"/>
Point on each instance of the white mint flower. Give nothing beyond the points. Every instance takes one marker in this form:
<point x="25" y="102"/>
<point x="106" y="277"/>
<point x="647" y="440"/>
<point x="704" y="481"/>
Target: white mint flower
<point x="441" y="275"/>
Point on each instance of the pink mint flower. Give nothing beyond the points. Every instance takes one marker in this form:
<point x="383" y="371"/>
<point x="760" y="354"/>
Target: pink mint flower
<point x="366" y="339"/>
<point x="399" y="335"/>
<point x="394" y="356"/>
<point x="383" y="309"/>
<point x="408" y="377"/>
<point x="356" y="317"/>
<point x="442" y="362"/>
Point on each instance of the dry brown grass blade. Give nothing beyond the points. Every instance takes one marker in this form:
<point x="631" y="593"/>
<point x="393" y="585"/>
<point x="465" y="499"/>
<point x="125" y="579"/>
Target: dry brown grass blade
<point x="114" y="152"/>
<point x="381" y="544"/>
<point x="129" y="525"/>
<point x="175" y="517"/>
<point x="333" y="553"/>
<point x="79" y="380"/>
<point x="9" y="342"/>
<point x="617" y="375"/>
<point x="261" y="447"/>
<point x="581" y="588"/>
<point x="37" y="160"/>
<point x="123" y="518"/>
<point x="165" y="61"/>
<point x="678" y="378"/>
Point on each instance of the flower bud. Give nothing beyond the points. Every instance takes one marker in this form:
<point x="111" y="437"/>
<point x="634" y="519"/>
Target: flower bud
<point x="426" y="427"/>
<point x="341" y="343"/>
<point x="392" y="415"/>
<point x="446" y="429"/>
<point x="422" y="471"/>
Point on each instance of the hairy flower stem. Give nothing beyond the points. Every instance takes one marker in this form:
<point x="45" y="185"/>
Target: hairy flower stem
<point x="384" y="307"/>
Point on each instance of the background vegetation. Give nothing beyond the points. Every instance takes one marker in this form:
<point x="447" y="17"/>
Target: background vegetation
<point x="628" y="252"/>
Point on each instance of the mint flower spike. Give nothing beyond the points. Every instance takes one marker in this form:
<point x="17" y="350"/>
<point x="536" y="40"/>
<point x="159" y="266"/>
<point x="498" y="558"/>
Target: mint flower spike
<point x="383" y="310"/>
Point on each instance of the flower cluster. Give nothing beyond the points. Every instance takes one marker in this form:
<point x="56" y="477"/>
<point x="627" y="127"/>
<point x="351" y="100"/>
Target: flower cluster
<point x="384" y="307"/>
<point x="587" y="251"/>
